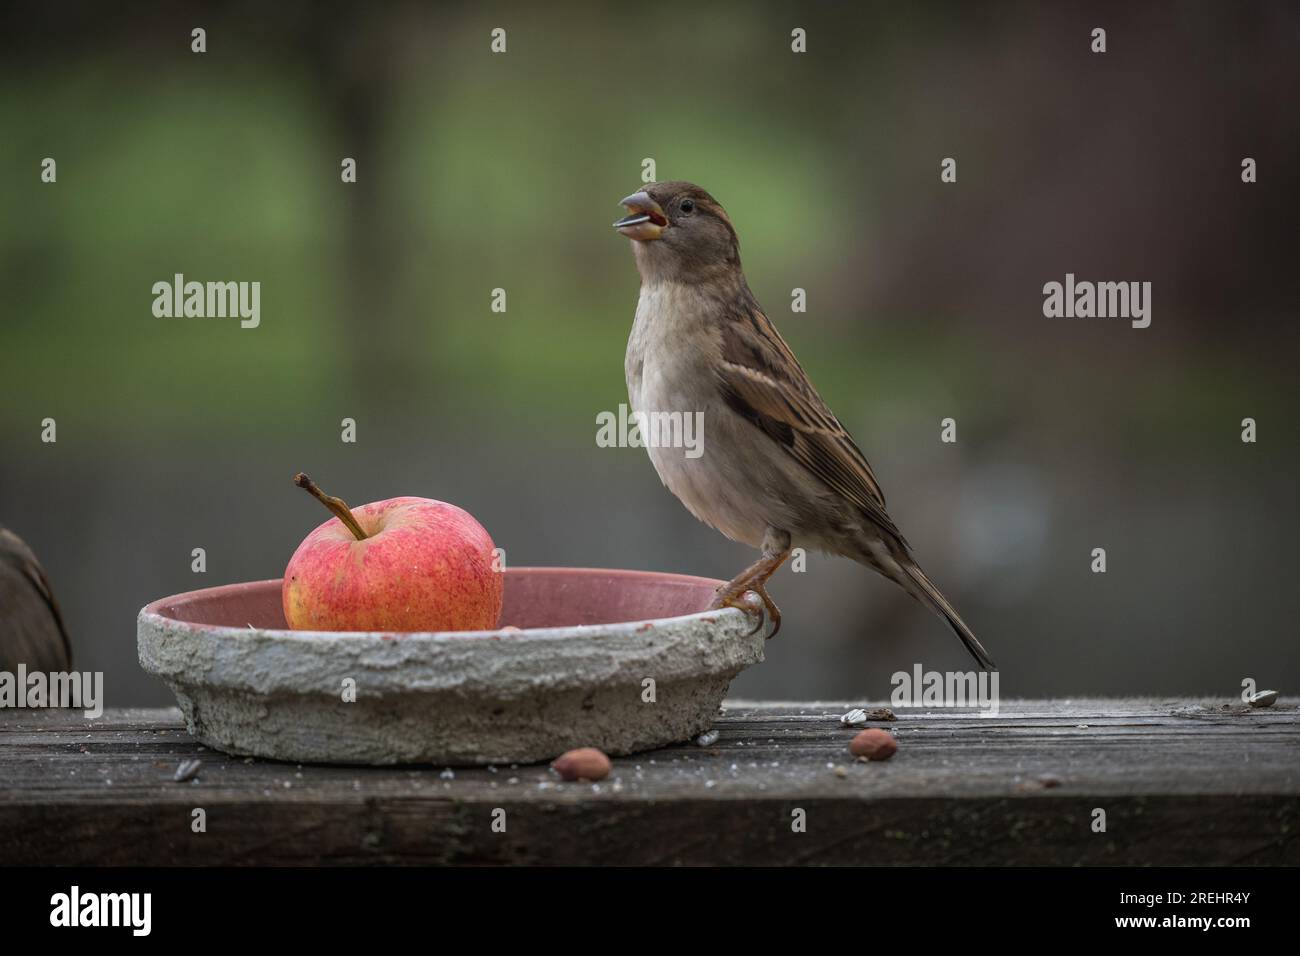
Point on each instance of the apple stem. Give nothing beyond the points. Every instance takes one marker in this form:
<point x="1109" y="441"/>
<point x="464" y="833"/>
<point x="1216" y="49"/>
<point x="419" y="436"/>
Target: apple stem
<point x="337" y="505"/>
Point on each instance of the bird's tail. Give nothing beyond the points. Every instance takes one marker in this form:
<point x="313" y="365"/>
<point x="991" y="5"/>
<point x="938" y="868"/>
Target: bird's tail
<point x="929" y="595"/>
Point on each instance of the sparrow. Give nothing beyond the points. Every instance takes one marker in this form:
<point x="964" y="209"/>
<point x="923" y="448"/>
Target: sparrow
<point x="31" y="627"/>
<point x="775" y="468"/>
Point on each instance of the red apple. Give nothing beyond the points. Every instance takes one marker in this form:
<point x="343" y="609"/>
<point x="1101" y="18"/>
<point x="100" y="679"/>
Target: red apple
<point x="404" y="564"/>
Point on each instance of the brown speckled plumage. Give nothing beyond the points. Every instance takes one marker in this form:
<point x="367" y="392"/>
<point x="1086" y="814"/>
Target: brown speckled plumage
<point x="778" y="468"/>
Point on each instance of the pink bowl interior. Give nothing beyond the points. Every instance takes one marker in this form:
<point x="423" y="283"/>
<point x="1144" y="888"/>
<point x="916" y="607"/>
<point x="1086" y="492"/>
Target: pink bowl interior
<point x="534" y="597"/>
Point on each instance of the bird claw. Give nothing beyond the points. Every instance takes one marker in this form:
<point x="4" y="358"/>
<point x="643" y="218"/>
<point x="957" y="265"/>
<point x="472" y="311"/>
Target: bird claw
<point x="752" y="599"/>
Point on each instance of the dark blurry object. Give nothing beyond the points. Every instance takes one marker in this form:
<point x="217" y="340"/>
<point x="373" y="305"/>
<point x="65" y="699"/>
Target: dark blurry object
<point x="31" y="627"/>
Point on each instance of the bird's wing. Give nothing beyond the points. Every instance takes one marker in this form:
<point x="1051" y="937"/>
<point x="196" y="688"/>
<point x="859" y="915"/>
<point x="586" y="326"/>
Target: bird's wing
<point x="763" y="382"/>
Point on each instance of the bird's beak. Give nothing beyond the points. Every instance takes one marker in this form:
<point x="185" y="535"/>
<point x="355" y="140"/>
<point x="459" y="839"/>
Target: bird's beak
<point x="645" y="219"/>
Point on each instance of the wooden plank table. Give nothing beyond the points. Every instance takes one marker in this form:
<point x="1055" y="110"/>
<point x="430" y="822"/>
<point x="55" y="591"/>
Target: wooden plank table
<point x="1180" y="781"/>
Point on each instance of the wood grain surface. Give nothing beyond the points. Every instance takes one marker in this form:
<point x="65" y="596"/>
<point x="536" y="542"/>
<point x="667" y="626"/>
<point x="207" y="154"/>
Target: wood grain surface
<point x="1199" y="782"/>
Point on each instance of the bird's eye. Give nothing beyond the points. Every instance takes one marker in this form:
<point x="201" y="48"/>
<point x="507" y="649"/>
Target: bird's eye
<point x="688" y="205"/>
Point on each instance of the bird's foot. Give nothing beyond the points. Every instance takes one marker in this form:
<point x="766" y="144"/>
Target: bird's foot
<point x="748" y="593"/>
<point x="751" y="600"/>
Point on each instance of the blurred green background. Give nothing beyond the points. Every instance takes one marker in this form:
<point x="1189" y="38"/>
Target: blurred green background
<point x="479" y="170"/>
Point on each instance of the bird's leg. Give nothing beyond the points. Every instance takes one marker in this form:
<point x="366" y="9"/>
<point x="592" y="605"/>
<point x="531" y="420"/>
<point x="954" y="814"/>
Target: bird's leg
<point x="776" y="548"/>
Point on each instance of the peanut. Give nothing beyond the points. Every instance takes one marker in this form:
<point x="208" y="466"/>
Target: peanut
<point x="874" y="744"/>
<point x="585" y="763"/>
